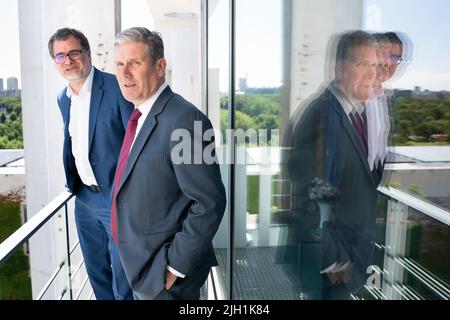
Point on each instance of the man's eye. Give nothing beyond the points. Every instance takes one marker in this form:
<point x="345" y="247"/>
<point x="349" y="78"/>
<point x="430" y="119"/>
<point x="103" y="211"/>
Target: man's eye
<point x="135" y="64"/>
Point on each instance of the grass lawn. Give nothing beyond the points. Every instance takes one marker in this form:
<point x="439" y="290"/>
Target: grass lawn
<point x="15" y="283"/>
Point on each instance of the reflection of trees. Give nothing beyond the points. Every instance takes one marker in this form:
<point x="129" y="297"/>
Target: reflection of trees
<point x="253" y="111"/>
<point x="11" y="123"/>
<point x="420" y="119"/>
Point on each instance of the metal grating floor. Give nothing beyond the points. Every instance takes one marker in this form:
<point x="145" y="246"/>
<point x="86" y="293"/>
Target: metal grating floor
<point x="257" y="276"/>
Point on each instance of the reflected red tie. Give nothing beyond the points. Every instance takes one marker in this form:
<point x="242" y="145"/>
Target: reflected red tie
<point x="123" y="158"/>
<point x="360" y="126"/>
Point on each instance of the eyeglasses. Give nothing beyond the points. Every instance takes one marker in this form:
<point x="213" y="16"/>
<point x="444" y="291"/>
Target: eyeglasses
<point x="395" y="59"/>
<point x="73" y="55"/>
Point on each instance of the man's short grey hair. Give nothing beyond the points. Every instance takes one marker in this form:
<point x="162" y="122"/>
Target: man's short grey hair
<point x="349" y="40"/>
<point x="140" y="34"/>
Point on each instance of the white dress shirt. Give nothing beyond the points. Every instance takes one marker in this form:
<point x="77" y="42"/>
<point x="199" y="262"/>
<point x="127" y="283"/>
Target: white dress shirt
<point x="79" y="129"/>
<point x="378" y="127"/>
<point x="145" y="108"/>
<point x="347" y="104"/>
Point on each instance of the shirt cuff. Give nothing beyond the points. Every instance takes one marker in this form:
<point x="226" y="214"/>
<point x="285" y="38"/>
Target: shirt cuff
<point x="329" y="269"/>
<point x="336" y="267"/>
<point x="175" y="272"/>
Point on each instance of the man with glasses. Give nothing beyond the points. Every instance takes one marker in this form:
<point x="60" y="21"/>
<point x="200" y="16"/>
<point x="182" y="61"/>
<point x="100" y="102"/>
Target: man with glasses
<point x="95" y="116"/>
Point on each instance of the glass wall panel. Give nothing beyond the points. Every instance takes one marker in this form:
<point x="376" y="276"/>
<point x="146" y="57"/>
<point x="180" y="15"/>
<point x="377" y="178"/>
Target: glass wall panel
<point x="218" y="84"/>
<point x="342" y="168"/>
<point x="420" y="97"/>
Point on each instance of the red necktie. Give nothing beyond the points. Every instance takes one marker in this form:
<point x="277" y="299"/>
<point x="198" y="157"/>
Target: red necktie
<point x="123" y="158"/>
<point x="360" y="127"/>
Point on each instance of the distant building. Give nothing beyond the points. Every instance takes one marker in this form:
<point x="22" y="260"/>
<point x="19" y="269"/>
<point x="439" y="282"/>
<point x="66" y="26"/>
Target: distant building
<point x="243" y="84"/>
<point x="12" y="83"/>
<point x="10" y="93"/>
<point x="1" y="84"/>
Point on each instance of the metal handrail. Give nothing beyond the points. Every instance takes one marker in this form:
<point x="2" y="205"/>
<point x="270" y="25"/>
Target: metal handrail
<point x="418" y="204"/>
<point x="26" y="231"/>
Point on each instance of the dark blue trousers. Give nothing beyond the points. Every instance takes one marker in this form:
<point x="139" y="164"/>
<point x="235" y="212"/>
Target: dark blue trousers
<point x="101" y="255"/>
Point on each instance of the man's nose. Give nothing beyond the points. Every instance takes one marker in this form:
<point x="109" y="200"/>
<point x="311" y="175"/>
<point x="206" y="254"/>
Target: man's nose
<point x="124" y="71"/>
<point x="68" y="61"/>
<point x="371" y="72"/>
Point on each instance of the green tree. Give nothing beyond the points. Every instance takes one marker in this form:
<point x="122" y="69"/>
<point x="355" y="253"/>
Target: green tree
<point x="11" y="132"/>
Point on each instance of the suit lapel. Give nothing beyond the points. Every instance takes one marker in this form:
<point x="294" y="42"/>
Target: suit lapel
<point x="352" y="135"/>
<point x="145" y="132"/>
<point x="96" y="98"/>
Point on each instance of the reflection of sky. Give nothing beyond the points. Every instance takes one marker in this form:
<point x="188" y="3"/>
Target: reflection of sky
<point x="259" y="43"/>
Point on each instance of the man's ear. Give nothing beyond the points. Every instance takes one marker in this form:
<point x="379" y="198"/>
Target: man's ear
<point x="89" y="54"/>
<point x="161" y="65"/>
<point x="341" y="69"/>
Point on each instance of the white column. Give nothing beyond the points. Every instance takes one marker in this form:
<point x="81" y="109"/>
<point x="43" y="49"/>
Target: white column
<point x="42" y="122"/>
<point x="313" y="22"/>
<point x="179" y="25"/>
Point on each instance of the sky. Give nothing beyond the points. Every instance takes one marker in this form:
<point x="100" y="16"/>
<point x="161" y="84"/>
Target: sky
<point x="9" y="34"/>
<point x="426" y="23"/>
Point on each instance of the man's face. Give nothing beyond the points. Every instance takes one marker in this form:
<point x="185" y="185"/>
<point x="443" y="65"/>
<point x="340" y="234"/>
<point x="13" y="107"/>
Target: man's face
<point x="358" y="73"/>
<point x="70" y="69"/>
<point x="395" y="56"/>
<point x="139" y="77"/>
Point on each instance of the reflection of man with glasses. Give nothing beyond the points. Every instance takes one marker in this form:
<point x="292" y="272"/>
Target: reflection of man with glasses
<point x="95" y="116"/>
<point x="390" y="55"/>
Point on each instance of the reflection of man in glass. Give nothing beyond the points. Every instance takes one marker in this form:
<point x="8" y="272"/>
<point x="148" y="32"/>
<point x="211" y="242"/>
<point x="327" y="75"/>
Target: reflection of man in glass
<point x="389" y="55"/>
<point x="328" y="147"/>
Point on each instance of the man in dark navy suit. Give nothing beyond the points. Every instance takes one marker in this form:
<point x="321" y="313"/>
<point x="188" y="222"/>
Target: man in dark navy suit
<point x="95" y="115"/>
<point x="166" y="208"/>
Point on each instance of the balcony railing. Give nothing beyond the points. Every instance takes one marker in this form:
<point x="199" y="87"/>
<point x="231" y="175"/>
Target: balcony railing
<point x="70" y="289"/>
<point x="65" y="270"/>
<point x="404" y="273"/>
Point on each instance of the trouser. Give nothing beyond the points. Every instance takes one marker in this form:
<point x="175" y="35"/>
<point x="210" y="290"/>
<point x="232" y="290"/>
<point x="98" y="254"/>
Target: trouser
<point x="101" y="256"/>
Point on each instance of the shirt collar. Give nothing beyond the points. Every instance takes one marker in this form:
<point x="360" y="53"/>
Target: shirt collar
<point x="145" y="107"/>
<point x="86" y="88"/>
<point x="346" y="103"/>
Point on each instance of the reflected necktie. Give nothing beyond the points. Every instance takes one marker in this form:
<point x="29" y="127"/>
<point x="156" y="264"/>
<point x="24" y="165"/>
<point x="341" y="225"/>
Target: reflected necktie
<point x="360" y="125"/>
<point x="123" y="158"/>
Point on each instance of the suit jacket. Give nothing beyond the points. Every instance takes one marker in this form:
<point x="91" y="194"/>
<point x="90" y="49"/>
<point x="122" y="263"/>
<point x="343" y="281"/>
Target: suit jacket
<point x="108" y="116"/>
<point x="325" y="145"/>
<point x="167" y="213"/>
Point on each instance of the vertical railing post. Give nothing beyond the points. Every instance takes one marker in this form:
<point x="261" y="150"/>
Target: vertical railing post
<point x="69" y="266"/>
<point x="397" y="215"/>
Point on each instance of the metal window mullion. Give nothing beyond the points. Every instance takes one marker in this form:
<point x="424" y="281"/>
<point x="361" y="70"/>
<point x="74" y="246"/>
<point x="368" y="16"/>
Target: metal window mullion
<point x="232" y="147"/>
